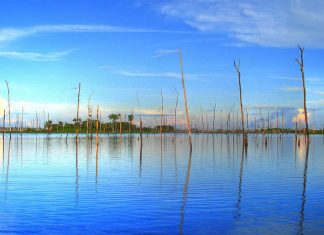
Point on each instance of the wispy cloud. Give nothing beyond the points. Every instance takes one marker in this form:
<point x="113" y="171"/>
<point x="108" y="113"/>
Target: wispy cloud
<point x="146" y="74"/>
<point x="269" y="23"/>
<point x="128" y="73"/>
<point x="161" y="52"/>
<point x="34" y="56"/>
<point x="270" y="107"/>
<point x="9" y="34"/>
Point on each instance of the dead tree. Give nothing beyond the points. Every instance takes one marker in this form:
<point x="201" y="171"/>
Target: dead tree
<point x="185" y="99"/>
<point x="214" y="119"/>
<point x="77" y="117"/>
<point x="161" y="124"/>
<point x="175" y="116"/>
<point x="301" y="64"/>
<point x="9" y="108"/>
<point x="237" y="67"/>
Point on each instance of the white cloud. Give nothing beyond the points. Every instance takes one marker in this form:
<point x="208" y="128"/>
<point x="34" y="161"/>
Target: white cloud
<point x="300" y="117"/>
<point x="9" y="34"/>
<point x="269" y="23"/>
<point x="33" y="56"/>
<point x="177" y="75"/>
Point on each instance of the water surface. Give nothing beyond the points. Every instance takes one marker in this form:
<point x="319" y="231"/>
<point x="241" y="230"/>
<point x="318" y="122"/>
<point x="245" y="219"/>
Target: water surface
<point x="51" y="185"/>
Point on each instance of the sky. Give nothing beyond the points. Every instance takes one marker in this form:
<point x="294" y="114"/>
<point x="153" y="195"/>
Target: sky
<point x="125" y="52"/>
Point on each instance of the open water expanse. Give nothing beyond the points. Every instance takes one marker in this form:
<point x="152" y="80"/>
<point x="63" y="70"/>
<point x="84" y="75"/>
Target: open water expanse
<point x="51" y="185"/>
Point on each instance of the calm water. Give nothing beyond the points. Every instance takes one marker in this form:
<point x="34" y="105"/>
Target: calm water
<point x="48" y="185"/>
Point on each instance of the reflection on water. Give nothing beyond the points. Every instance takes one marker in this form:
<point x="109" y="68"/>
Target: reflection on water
<point x="185" y="194"/>
<point x="120" y="184"/>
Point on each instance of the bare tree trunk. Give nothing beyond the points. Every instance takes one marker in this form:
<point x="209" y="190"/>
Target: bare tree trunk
<point x="202" y="120"/>
<point x="3" y="123"/>
<point x="214" y="119"/>
<point x="185" y="100"/>
<point x="237" y="67"/>
<point x="120" y="127"/>
<point x="247" y="119"/>
<point x="301" y="64"/>
<point x="22" y="119"/>
<point x="77" y="117"/>
<point x="141" y="136"/>
<point x="282" y="122"/>
<point x="161" y="124"/>
<point x="97" y="126"/>
<point x="175" y="116"/>
<point x="222" y="120"/>
<point x="88" y="118"/>
<point x="9" y="108"/>
<point x="278" y="120"/>
<point x="206" y="122"/>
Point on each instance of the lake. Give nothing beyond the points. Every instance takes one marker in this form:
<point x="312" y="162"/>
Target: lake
<point x="51" y="185"/>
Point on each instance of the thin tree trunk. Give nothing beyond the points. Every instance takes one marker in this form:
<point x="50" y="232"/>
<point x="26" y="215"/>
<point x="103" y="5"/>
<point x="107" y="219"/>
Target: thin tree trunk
<point x="278" y="120"/>
<point x="214" y="119"/>
<point x="161" y="124"/>
<point x="301" y="64"/>
<point x="237" y="67"/>
<point x="185" y="100"/>
<point x="202" y="120"/>
<point x="77" y="117"/>
<point x="3" y="124"/>
<point x="282" y="122"/>
<point x="175" y="115"/>
<point x="222" y="120"/>
<point x="22" y="119"/>
<point x="97" y="126"/>
<point x="9" y="108"/>
<point x="120" y="127"/>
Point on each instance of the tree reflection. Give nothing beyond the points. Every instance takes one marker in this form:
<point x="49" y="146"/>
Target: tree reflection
<point x="303" y="196"/>
<point x="185" y="194"/>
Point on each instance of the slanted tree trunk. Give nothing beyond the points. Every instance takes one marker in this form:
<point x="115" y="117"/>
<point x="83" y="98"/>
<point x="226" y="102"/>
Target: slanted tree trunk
<point x="185" y="100"/>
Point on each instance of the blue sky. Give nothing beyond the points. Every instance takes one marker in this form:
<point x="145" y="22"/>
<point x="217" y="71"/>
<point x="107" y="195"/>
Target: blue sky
<point x="122" y="51"/>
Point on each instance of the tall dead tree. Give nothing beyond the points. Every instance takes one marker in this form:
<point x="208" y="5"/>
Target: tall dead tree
<point x="77" y="116"/>
<point x="202" y="119"/>
<point x="97" y="126"/>
<point x="22" y="119"/>
<point x="185" y="99"/>
<point x="175" y="115"/>
<point x="3" y="124"/>
<point x="9" y="115"/>
<point x="237" y="68"/>
<point x="161" y="123"/>
<point x="214" y="119"/>
<point x="301" y="64"/>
